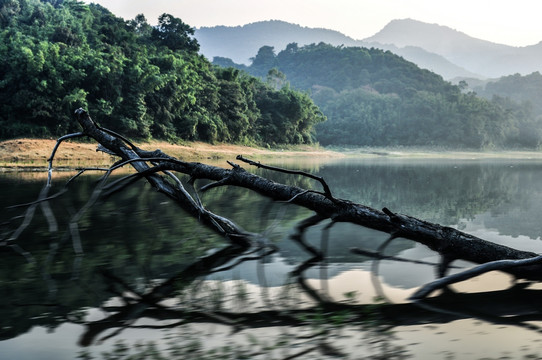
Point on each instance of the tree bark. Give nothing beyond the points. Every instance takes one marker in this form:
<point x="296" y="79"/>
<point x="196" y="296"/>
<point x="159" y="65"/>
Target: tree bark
<point x="450" y="243"/>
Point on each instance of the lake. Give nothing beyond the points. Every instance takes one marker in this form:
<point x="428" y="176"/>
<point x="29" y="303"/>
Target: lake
<point x="77" y="289"/>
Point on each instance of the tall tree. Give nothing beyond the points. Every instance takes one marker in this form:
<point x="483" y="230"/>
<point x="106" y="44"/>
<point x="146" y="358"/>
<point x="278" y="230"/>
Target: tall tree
<point x="175" y="34"/>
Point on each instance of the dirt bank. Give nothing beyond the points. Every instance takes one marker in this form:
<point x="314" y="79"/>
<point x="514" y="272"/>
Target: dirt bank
<point x="26" y="154"/>
<point x="33" y="153"/>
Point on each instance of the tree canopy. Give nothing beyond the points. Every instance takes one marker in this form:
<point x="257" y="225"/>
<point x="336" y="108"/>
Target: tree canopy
<point x="373" y="97"/>
<point x="144" y="81"/>
<point x="525" y="90"/>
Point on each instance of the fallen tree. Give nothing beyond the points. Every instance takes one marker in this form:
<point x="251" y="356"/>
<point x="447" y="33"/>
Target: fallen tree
<point x="451" y="244"/>
<point x="158" y="169"/>
<point x="162" y="172"/>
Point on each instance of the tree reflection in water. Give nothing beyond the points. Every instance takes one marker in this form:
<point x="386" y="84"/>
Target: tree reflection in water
<point x="125" y="276"/>
<point x="161" y="270"/>
<point x="292" y="322"/>
<point x="299" y="320"/>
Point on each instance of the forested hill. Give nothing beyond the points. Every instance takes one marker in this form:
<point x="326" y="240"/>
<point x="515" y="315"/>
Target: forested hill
<point x="373" y="97"/>
<point x="240" y="43"/>
<point x="523" y="89"/>
<point x="142" y="81"/>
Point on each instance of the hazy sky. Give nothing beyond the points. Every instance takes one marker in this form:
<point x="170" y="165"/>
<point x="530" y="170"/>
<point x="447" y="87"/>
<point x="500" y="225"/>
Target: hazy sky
<point x="517" y="23"/>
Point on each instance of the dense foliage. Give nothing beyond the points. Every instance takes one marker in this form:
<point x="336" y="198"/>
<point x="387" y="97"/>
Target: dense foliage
<point x="143" y="81"/>
<point x="526" y="90"/>
<point x="372" y="97"/>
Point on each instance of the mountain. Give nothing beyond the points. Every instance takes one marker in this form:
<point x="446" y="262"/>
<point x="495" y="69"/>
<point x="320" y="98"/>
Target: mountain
<point x="373" y="97"/>
<point x="430" y="61"/>
<point x="241" y="43"/>
<point x="443" y="50"/>
<point x="479" y="56"/>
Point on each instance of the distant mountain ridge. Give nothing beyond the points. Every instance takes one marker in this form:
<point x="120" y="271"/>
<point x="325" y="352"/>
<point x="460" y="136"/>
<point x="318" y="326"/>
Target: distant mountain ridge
<point x="443" y="50"/>
<point x="479" y="56"/>
<point x="240" y="43"/>
<point x="373" y="97"/>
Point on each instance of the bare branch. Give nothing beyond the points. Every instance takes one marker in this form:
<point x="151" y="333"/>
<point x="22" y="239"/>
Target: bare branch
<point x="300" y="231"/>
<point x="29" y="215"/>
<point x="59" y="141"/>
<point x="51" y="158"/>
<point x="81" y="172"/>
<point x="379" y="256"/>
<point x="271" y="250"/>
<point x="320" y="179"/>
<point x="470" y="273"/>
<point x="39" y="200"/>
<point x="302" y="193"/>
<point x="450" y="243"/>
<point x="222" y="182"/>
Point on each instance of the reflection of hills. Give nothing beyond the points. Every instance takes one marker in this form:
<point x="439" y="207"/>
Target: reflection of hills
<point x="521" y="214"/>
<point x="138" y="235"/>
<point x="342" y="237"/>
<point x="439" y="191"/>
<point x="133" y="235"/>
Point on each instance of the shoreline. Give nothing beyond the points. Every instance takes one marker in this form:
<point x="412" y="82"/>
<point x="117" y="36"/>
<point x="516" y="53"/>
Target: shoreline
<point x="417" y="153"/>
<point x="32" y="154"/>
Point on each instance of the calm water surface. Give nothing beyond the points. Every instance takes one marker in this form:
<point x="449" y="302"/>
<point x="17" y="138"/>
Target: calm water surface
<point x="72" y="289"/>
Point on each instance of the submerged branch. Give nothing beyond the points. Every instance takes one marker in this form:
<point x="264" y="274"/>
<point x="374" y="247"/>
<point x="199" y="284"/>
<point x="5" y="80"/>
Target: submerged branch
<point x="448" y="242"/>
<point x="470" y="273"/>
<point x="379" y="256"/>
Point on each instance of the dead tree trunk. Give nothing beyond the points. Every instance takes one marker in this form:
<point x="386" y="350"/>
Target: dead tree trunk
<point x="450" y="243"/>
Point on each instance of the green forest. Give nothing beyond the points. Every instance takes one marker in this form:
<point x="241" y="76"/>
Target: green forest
<point x="372" y="97"/>
<point x="526" y="90"/>
<point x="141" y="80"/>
<point x="151" y="82"/>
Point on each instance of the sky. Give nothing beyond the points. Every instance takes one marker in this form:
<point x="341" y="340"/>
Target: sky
<point x="516" y="23"/>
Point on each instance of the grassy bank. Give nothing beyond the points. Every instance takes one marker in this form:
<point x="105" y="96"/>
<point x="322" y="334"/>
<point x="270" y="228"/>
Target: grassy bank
<point x="33" y="153"/>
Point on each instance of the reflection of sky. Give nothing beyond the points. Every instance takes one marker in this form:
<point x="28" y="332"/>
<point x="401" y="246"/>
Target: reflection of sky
<point x="276" y="271"/>
<point x="501" y="223"/>
<point x="470" y="339"/>
<point x="489" y="227"/>
<point x="407" y="275"/>
<point x="40" y="344"/>
<point x="465" y="339"/>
